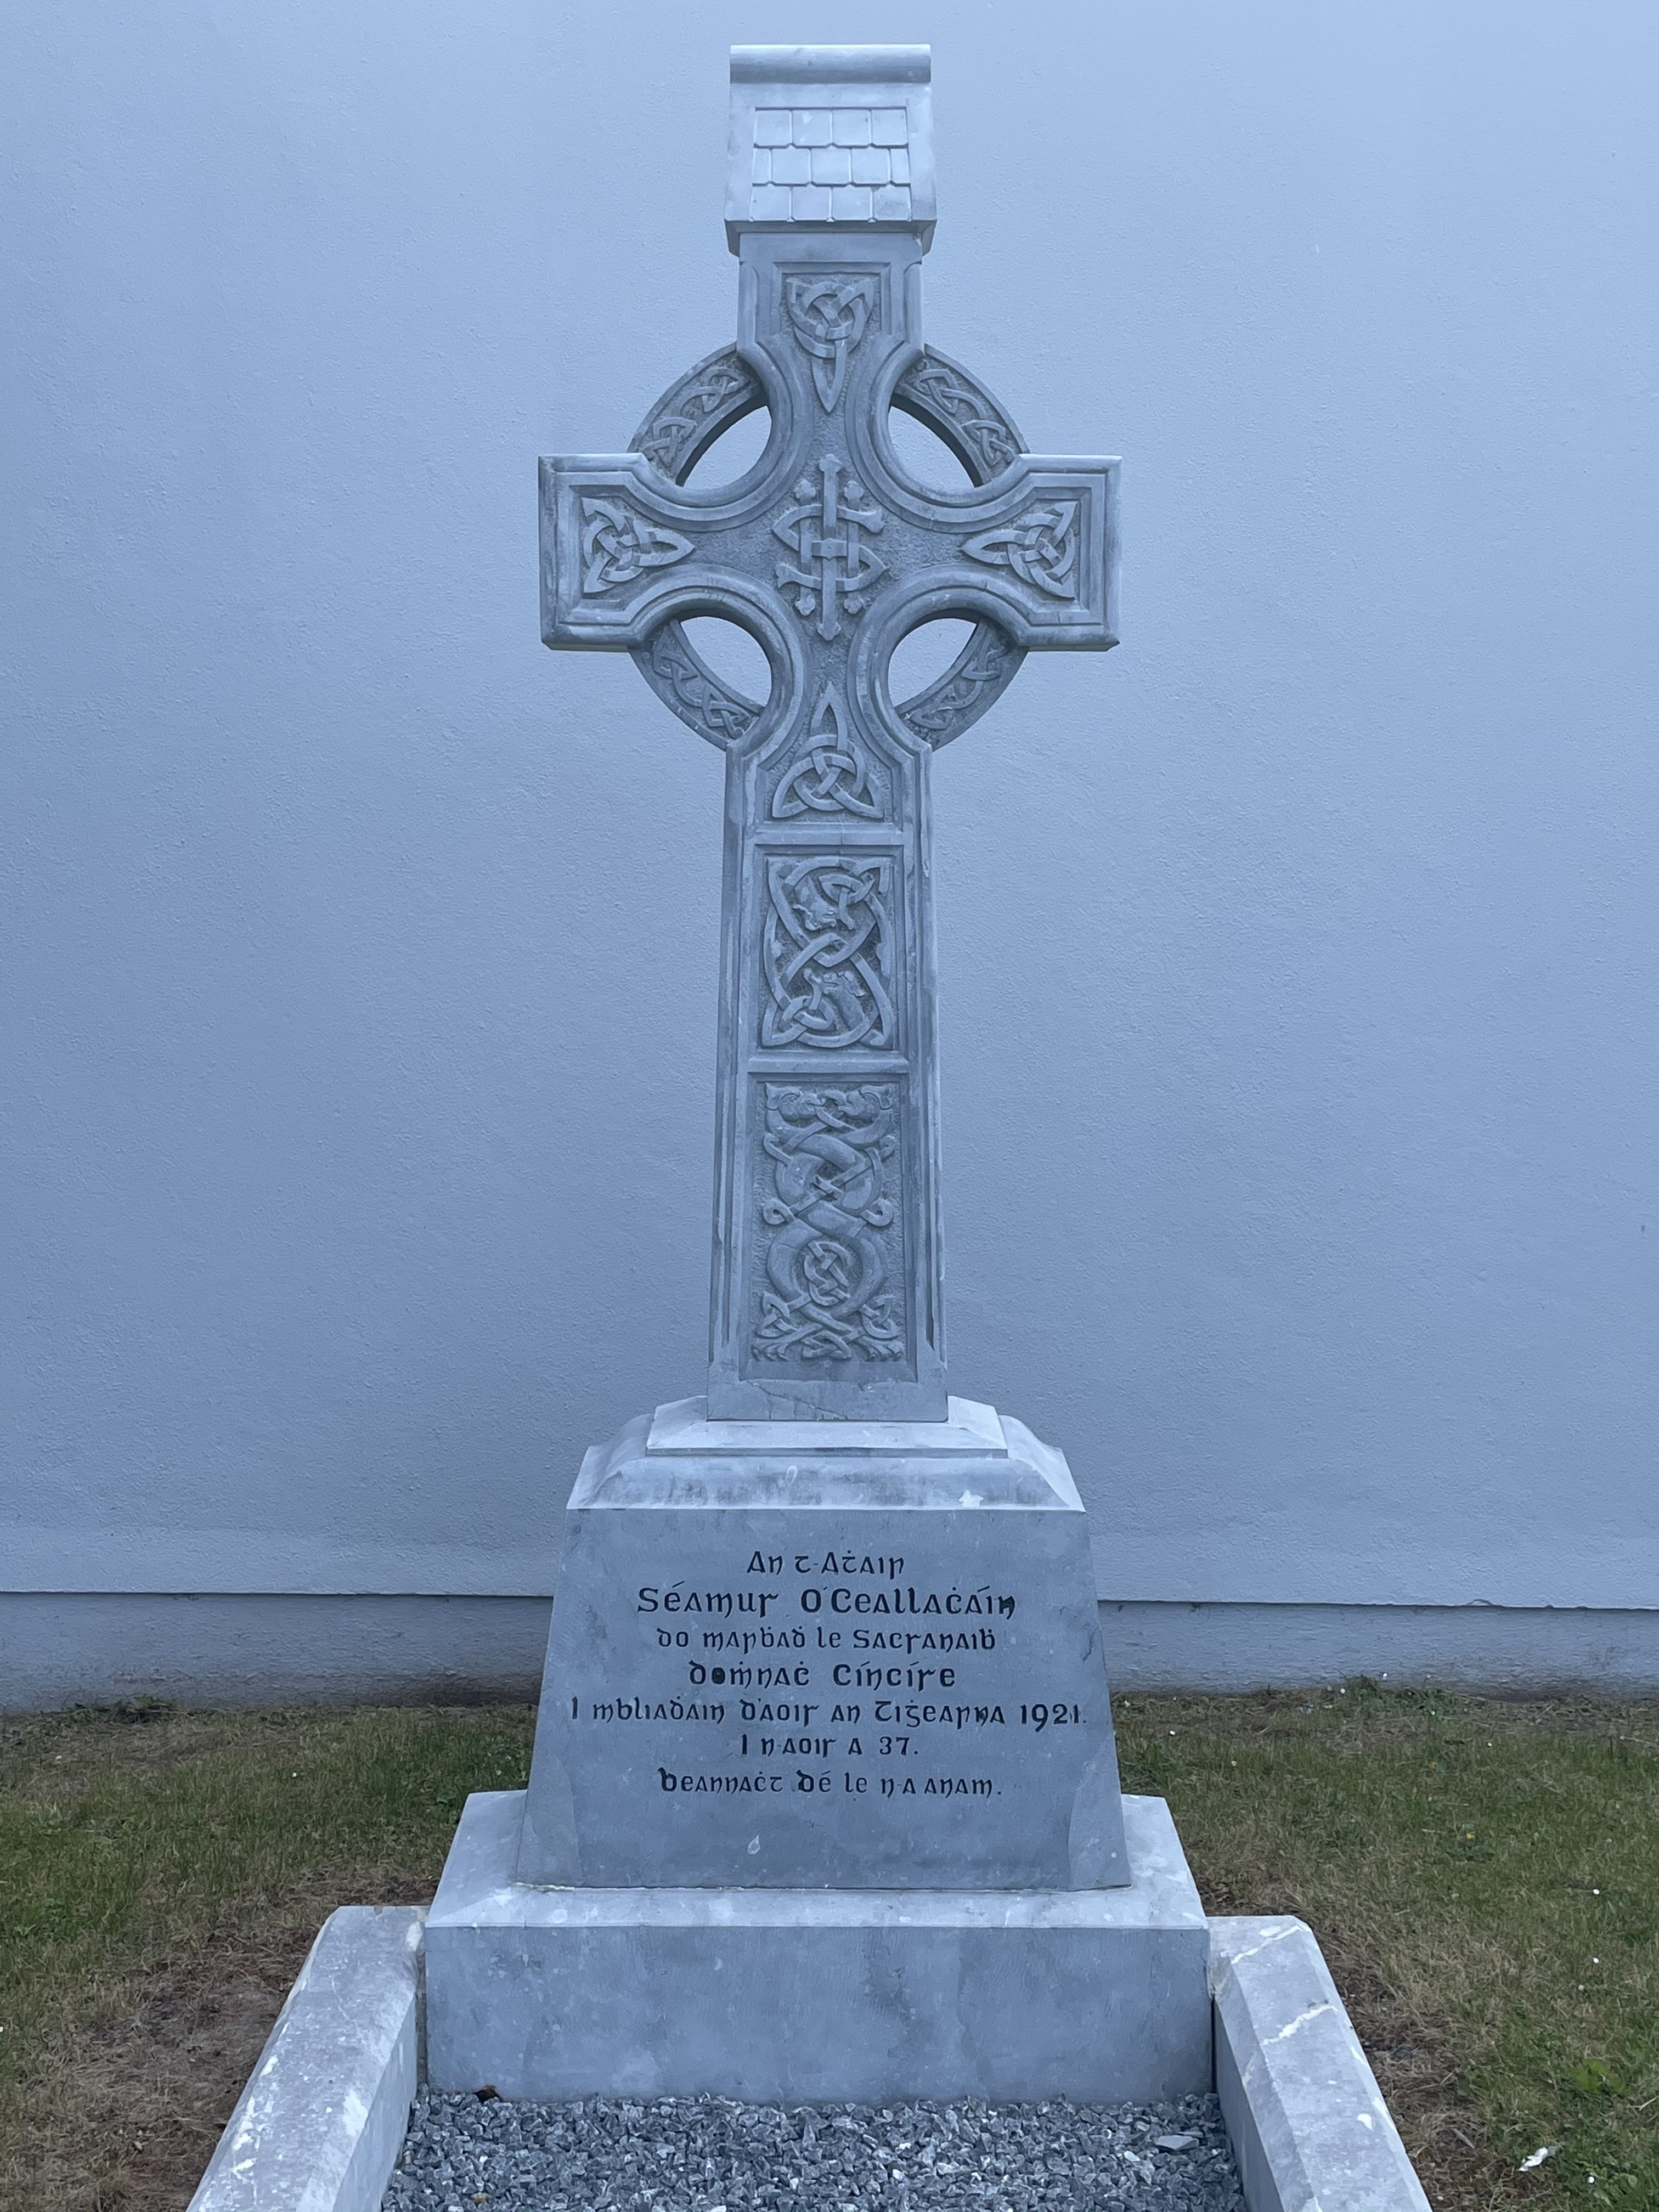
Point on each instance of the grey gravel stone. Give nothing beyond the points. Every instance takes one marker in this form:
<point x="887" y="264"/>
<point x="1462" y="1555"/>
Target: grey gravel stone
<point x="708" y="2154"/>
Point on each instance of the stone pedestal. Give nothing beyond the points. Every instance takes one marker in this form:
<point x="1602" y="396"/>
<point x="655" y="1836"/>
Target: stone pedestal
<point x="825" y="1799"/>
<point x="841" y="1655"/>
<point x="813" y="1995"/>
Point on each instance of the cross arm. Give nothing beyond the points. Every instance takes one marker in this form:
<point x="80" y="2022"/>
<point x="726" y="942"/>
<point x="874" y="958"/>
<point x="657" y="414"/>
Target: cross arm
<point x="1036" y="551"/>
<point x="623" y="550"/>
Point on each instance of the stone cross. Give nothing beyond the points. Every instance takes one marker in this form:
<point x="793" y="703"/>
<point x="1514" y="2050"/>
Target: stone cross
<point x="826" y="1292"/>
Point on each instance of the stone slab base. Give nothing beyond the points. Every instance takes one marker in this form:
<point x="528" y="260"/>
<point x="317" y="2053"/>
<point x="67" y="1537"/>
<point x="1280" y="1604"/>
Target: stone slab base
<point x="817" y="1995"/>
<point x="321" y="2122"/>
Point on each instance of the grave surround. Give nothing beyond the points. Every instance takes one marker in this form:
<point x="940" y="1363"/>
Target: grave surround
<point x="321" y="2123"/>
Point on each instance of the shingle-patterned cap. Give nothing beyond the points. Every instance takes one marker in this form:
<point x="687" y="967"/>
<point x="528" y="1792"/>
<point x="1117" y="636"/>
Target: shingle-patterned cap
<point x="831" y="137"/>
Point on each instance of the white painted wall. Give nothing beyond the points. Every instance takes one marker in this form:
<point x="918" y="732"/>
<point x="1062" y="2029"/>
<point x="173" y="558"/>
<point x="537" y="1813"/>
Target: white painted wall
<point x="1297" y="958"/>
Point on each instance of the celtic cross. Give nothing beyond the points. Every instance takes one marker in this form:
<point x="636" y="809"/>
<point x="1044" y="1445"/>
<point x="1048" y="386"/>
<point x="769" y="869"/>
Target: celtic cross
<point x="827" y="1295"/>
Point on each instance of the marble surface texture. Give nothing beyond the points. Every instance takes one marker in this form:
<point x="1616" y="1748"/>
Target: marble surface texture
<point x="867" y="1669"/>
<point x="815" y="1994"/>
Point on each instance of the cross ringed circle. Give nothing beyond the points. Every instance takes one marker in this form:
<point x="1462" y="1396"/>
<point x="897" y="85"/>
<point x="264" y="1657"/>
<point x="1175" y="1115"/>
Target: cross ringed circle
<point x="720" y="392"/>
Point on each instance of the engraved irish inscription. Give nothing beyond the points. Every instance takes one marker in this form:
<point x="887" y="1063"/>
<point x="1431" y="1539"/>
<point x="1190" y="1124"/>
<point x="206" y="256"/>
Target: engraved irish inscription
<point x="865" y="1681"/>
<point x="827" y="1626"/>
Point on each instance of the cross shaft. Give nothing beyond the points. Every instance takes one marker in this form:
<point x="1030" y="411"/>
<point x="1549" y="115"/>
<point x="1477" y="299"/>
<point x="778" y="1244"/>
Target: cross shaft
<point x="827" y="1294"/>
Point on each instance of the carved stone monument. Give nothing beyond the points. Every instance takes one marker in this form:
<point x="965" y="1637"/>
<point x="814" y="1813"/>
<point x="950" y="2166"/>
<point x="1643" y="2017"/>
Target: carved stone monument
<point x="828" y="1298"/>
<point x="825" y="1692"/>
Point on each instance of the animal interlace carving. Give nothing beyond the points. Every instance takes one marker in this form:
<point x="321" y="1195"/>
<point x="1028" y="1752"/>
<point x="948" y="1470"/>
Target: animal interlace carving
<point x="826" y="946"/>
<point x="828" y="552"/>
<point x="828" y="1293"/>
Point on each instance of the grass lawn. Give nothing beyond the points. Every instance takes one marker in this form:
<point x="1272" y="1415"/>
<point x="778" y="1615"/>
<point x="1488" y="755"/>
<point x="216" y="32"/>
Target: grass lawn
<point x="1484" y="1877"/>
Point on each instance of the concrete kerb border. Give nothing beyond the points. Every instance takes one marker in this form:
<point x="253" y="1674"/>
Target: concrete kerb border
<point x="323" y="2116"/>
<point x="1309" y="2129"/>
<point x="320" y="2124"/>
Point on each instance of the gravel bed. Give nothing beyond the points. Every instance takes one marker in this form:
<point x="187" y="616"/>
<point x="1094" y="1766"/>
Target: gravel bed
<point x="708" y="2154"/>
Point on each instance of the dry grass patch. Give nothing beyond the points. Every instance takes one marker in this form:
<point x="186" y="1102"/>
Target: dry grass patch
<point x="1484" y="1878"/>
<point x="161" y="1877"/>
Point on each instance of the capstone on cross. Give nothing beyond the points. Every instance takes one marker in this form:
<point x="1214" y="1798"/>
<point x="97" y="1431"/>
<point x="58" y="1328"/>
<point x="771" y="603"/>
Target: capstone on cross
<point x="827" y="1294"/>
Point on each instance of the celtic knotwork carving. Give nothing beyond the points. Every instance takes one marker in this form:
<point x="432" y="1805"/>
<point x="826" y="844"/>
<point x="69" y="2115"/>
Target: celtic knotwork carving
<point x="832" y="569"/>
<point x="828" y="552"/>
<point x="832" y="774"/>
<point x="955" y="700"/>
<point x="696" y="694"/>
<point x="827" y="952"/>
<point x="828" y="315"/>
<point x="961" y="411"/>
<point x="618" y="545"/>
<point x="691" y="416"/>
<point x="1040" y="545"/>
<point x="825" y="1297"/>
